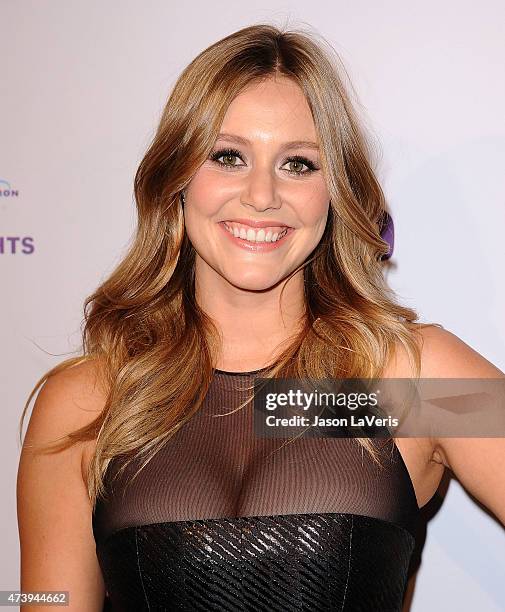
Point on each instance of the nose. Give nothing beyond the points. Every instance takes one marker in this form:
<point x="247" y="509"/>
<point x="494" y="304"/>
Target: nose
<point x="260" y="189"/>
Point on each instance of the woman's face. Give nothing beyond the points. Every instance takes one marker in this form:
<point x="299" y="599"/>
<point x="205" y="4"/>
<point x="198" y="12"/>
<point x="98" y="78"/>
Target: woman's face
<point x="264" y="168"/>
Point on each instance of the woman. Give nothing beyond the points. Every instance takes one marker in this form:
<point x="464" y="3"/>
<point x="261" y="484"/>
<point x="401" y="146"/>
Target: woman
<point x="258" y="251"/>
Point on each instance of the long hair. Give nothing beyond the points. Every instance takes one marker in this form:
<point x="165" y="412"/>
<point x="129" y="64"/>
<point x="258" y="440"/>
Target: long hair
<point x="154" y="347"/>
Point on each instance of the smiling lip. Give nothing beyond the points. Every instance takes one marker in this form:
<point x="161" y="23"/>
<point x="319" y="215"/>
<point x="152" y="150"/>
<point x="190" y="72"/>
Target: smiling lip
<point x="256" y="247"/>
<point x="258" y="224"/>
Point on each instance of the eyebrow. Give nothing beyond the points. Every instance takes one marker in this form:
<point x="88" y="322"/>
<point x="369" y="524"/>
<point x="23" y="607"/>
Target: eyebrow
<point x="306" y="144"/>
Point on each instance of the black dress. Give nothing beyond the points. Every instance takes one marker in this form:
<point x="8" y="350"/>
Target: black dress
<point x="218" y="521"/>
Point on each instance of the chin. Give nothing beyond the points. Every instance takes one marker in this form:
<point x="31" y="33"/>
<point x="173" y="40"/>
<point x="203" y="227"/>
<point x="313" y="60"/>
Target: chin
<point x="252" y="282"/>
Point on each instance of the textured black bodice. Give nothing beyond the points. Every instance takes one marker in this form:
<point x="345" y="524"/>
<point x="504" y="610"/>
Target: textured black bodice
<point x="221" y="519"/>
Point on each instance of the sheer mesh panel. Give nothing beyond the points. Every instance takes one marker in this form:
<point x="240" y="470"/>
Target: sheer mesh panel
<point x="216" y="467"/>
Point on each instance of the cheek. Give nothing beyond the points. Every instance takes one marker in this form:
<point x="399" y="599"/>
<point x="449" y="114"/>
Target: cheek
<point x="311" y="199"/>
<point x="207" y="189"/>
<point x="313" y="212"/>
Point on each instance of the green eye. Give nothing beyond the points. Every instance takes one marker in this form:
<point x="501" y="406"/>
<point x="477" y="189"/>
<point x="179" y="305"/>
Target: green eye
<point x="230" y="154"/>
<point x="226" y="153"/>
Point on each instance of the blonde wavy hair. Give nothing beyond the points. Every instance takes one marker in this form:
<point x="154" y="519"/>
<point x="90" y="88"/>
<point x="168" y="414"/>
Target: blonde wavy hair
<point x="155" y="347"/>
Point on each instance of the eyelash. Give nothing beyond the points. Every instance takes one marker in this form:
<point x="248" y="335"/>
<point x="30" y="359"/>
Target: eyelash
<point x="235" y="153"/>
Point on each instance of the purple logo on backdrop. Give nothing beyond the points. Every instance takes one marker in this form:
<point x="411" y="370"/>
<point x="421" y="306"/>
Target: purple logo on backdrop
<point x="6" y="190"/>
<point x="14" y="245"/>
<point x="387" y="232"/>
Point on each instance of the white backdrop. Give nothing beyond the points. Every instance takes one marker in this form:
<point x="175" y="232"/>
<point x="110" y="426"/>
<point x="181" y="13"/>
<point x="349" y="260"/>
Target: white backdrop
<point x="83" y="85"/>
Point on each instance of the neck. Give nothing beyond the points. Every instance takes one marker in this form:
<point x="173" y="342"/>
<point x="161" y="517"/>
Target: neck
<point x="252" y="323"/>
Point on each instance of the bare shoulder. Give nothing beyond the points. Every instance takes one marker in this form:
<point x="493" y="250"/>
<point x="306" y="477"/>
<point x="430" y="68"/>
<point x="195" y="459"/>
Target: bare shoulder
<point x="68" y="400"/>
<point x="477" y="462"/>
<point x="445" y="355"/>
<point x="53" y="507"/>
<point x="80" y="384"/>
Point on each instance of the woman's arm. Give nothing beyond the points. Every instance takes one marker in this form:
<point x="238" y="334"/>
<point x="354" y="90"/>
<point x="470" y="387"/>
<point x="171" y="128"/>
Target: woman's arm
<point x="54" y="511"/>
<point x="478" y="463"/>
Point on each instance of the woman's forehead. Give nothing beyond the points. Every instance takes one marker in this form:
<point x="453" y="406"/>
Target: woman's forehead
<point x="271" y="110"/>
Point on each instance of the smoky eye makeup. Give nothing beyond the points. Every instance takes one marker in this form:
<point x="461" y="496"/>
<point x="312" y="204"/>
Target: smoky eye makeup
<point x="292" y="159"/>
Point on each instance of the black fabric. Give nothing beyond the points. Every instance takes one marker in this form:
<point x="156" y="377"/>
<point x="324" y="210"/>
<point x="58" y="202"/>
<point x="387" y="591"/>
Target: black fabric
<point x="221" y="519"/>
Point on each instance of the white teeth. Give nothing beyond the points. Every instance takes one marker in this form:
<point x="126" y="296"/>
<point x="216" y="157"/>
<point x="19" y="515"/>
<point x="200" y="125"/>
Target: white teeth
<point x="256" y="236"/>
